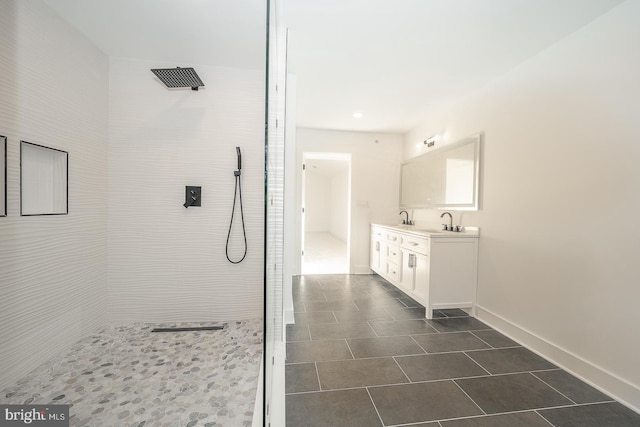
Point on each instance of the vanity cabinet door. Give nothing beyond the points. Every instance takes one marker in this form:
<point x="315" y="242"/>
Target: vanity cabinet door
<point x="421" y="282"/>
<point x="377" y="261"/>
<point x="393" y="254"/>
<point x="394" y="272"/>
<point x="407" y="284"/>
<point x="415" y="276"/>
<point x="374" y="258"/>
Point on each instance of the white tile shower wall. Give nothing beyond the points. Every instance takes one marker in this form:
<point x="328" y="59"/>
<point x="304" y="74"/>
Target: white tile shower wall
<point x="165" y="262"/>
<point x="558" y="248"/>
<point x="375" y="174"/>
<point x="53" y="92"/>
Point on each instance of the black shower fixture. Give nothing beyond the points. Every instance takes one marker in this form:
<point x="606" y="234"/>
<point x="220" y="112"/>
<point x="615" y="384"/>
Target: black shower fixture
<point x="178" y="77"/>
<point x="192" y="196"/>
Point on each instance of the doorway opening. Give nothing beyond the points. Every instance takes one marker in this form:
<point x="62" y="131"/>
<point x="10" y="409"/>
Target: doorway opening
<point x="326" y="213"/>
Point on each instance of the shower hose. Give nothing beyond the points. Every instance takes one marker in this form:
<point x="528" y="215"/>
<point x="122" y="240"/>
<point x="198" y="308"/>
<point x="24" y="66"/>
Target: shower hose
<point x="237" y="195"/>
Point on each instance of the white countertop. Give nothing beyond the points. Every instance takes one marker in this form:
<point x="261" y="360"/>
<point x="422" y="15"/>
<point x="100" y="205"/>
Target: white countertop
<point x="432" y="232"/>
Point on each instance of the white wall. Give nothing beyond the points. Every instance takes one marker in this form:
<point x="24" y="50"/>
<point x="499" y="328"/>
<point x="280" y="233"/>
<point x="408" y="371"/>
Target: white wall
<point x="561" y="194"/>
<point x="53" y="282"/>
<point x="339" y="215"/>
<point x="327" y="202"/>
<point x="167" y="263"/>
<point x="317" y="202"/>
<point x="375" y="165"/>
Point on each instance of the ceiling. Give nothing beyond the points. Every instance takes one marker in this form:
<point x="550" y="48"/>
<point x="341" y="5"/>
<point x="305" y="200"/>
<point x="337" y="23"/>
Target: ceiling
<point x="396" y="62"/>
<point x="228" y="33"/>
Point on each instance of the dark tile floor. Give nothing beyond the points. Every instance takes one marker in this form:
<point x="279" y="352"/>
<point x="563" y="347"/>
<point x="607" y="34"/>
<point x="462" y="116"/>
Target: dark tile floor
<point x="362" y="354"/>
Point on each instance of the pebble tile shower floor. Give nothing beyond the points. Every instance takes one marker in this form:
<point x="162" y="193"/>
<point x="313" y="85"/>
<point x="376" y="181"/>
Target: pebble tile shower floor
<point x="129" y="376"/>
<point x="361" y="354"/>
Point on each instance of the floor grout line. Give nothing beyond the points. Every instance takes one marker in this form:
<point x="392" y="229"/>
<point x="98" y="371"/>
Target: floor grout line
<point x="315" y="365"/>
<point x="374" y="406"/>
<point x="418" y="344"/>
<point x="474" y="361"/>
<point x="403" y="372"/>
<point x="466" y="394"/>
<point x="543" y="417"/>
<point x="555" y="389"/>
<point x="471" y="332"/>
<point x="350" y="351"/>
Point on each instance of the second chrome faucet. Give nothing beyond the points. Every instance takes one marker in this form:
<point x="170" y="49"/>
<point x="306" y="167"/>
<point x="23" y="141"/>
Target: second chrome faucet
<point x="450" y="227"/>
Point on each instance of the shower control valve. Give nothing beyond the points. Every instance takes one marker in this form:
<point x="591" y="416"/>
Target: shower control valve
<point x="193" y="196"/>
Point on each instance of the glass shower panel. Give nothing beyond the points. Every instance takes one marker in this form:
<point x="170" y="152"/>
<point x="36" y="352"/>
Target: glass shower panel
<point x="3" y="175"/>
<point x="274" y="223"/>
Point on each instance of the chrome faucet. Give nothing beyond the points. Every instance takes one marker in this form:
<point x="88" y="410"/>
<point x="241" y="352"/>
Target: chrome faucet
<point x="450" y="226"/>
<point x="406" y="221"/>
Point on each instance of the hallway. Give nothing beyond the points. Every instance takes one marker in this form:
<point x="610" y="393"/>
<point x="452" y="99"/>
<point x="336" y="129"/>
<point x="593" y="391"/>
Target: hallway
<point x="362" y="354"/>
<point x="324" y="254"/>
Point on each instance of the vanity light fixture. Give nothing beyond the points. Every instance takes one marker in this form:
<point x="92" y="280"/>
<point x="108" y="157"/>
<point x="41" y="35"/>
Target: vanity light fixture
<point x="430" y="142"/>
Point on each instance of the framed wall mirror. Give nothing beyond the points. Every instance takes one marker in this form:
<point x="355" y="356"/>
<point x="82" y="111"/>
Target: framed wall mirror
<point x="445" y="178"/>
<point x="44" y="176"/>
<point x="3" y="175"/>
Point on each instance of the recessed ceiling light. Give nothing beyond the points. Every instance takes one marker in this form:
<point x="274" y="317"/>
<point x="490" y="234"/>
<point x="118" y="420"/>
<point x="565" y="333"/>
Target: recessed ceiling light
<point x="357" y="115"/>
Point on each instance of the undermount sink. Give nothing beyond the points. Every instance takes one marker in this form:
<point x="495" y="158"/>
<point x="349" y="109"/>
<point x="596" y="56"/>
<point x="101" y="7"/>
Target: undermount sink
<point x="420" y="229"/>
<point x="406" y="227"/>
<point x="430" y="230"/>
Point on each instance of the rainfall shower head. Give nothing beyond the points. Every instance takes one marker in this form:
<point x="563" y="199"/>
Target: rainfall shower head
<point x="178" y="77"/>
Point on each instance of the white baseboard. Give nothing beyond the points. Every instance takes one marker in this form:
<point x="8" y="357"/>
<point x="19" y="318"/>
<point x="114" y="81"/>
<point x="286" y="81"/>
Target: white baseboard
<point x="466" y="306"/>
<point x="360" y="269"/>
<point x="599" y="378"/>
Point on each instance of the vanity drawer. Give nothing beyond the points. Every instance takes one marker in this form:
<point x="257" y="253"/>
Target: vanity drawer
<point x="393" y="238"/>
<point x="378" y="233"/>
<point x="393" y="253"/>
<point x="416" y="244"/>
<point x="393" y="272"/>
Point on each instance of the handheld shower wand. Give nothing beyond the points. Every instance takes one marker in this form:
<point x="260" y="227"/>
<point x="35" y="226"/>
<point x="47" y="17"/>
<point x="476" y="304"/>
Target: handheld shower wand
<point x="237" y="173"/>
<point x="237" y="195"/>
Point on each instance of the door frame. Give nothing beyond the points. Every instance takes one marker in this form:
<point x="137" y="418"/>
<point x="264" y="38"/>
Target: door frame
<point x="313" y="155"/>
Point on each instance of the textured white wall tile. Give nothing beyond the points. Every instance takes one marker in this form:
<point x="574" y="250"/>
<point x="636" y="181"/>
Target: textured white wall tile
<point x="167" y="263"/>
<point x="53" y="92"/>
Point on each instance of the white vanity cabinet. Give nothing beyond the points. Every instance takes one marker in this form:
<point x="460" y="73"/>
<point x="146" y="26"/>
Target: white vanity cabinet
<point x="393" y="256"/>
<point x="376" y="258"/>
<point x="414" y="280"/>
<point x="437" y="269"/>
